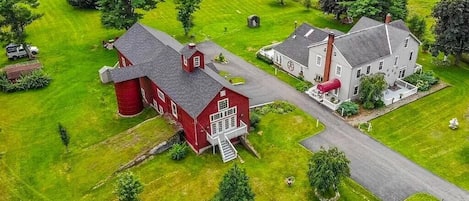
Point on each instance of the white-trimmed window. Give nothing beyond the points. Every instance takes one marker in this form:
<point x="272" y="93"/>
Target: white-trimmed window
<point x="184" y="59"/>
<point x="368" y="69"/>
<point x="406" y="42"/>
<point x="223" y="104"/>
<point x="123" y="61"/>
<point x="144" y="95"/>
<point x="401" y="73"/>
<point x="318" y="60"/>
<point x="338" y="70"/>
<point x="223" y="114"/>
<point x="396" y="60"/>
<point x="410" y="55"/>
<point x="380" y="67"/>
<point x="160" y="95"/>
<point x="359" y="72"/>
<point x="174" y="109"/>
<point x="197" y="61"/>
<point x="355" y="90"/>
<point x="222" y="93"/>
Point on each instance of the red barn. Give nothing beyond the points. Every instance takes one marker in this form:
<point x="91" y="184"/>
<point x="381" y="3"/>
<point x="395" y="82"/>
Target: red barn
<point x="156" y="70"/>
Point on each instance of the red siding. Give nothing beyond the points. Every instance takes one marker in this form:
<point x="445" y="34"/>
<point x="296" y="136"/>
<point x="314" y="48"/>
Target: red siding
<point x="164" y="104"/>
<point x="146" y="85"/>
<point x="123" y="61"/>
<point x="129" y="99"/>
<point x="190" y="61"/>
<point x="234" y="99"/>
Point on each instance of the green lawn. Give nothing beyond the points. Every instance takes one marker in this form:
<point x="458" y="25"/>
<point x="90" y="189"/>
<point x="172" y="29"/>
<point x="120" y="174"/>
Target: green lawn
<point x="33" y="165"/>
<point x="421" y="197"/>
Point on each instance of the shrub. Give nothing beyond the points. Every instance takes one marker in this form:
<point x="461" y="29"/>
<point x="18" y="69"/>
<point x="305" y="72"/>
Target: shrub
<point x="36" y="80"/>
<point x="368" y="105"/>
<point x="254" y="120"/>
<point x="279" y="107"/>
<point x="264" y="58"/>
<point x="303" y="86"/>
<point x="348" y="108"/>
<point x="178" y="151"/>
<point x="423" y="80"/>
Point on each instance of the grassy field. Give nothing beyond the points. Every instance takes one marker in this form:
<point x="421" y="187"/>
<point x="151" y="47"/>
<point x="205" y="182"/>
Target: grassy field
<point x="33" y="163"/>
<point x="421" y="197"/>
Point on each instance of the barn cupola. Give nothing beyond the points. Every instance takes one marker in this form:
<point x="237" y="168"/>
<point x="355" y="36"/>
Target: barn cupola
<point x="191" y="58"/>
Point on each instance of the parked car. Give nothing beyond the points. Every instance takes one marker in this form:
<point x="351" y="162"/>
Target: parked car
<point x="14" y="51"/>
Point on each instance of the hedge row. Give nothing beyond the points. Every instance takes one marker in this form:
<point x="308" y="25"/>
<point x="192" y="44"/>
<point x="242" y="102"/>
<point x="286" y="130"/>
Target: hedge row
<point x="35" y="80"/>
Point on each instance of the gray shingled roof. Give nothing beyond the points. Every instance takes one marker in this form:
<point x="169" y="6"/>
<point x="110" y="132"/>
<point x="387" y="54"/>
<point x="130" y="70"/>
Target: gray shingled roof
<point x="400" y="25"/>
<point x="191" y="91"/>
<point x="187" y="52"/>
<point x="364" y="23"/>
<point x="296" y="48"/>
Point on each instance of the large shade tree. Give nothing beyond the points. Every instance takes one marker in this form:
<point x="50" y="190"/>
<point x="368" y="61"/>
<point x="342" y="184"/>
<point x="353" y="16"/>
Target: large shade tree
<point x="377" y="9"/>
<point x="121" y="14"/>
<point x="185" y="10"/>
<point x="452" y="28"/>
<point x="336" y="7"/>
<point x="15" y="15"/>
<point x="326" y="169"/>
<point x="371" y="90"/>
<point x="235" y="186"/>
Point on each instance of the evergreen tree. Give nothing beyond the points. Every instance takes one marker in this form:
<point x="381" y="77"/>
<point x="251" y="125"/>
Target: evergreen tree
<point x="64" y="136"/>
<point x="235" y="186"/>
<point x="121" y="14"/>
<point x="185" y="10"/>
<point x="452" y="28"/>
<point x="128" y="187"/>
<point x="326" y="169"/>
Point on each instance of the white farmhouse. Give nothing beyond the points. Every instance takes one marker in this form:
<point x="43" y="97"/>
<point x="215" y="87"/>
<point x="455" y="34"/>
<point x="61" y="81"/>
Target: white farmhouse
<point x="335" y="61"/>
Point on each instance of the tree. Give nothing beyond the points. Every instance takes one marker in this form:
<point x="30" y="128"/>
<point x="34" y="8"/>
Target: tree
<point x="282" y="2"/>
<point x="128" y="187"/>
<point x="371" y="90"/>
<point x="15" y="15"/>
<point x="185" y="10"/>
<point x="308" y="4"/>
<point x="120" y="14"/>
<point x="326" y="169"/>
<point x="451" y="29"/>
<point x="337" y="7"/>
<point x="417" y="26"/>
<point x="235" y="186"/>
<point x="64" y="136"/>
<point x="83" y="3"/>
<point x="377" y="9"/>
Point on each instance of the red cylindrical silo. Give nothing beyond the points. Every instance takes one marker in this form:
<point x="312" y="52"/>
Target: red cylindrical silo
<point x="129" y="98"/>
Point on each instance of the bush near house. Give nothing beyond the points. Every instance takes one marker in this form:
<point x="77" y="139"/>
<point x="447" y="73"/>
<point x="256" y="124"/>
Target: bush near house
<point x="279" y="107"/>
<point x="303" y="86"/>
<point x="348" y="108"/>
<point x="264" y="58"/>
<point x="178" y="151"/>
<point x="36" y="80"/>
<point x="423" y="80"/>
<point x="254" y="119"/>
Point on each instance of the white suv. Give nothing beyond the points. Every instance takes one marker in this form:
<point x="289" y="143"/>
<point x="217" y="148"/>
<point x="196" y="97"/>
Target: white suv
<point x="15" y="51"/>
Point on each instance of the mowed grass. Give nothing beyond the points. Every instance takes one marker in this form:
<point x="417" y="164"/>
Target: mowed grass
<point x="197" y="177"/>
<point x="33" y="163"/>
<point x="421" y="197"/>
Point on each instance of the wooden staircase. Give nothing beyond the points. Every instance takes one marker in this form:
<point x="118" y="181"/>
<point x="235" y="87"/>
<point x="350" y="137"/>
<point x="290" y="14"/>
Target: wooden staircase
<point x="228" y="151"/>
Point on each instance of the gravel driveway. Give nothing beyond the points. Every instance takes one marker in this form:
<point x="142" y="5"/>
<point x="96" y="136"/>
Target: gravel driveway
<point x="381" y="170"/>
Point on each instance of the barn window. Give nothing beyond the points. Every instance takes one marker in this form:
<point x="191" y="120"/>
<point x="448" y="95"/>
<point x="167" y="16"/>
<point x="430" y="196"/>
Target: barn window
<point x="123" y="61"/>
<point x="174" y="109"/>
<point x="160" y="95"/>
<point x="196" y="61"/>
<point x="222" y="93"/>
<point x="223" y="104"/>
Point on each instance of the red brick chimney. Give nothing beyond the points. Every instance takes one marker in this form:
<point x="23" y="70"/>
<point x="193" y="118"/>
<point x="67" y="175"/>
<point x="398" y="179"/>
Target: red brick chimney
<point x="327" y="66"/>
<point x="388" y="18"/>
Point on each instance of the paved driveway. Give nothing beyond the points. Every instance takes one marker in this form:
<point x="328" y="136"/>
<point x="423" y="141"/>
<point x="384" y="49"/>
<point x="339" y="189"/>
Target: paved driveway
<point x="384" y="172"/>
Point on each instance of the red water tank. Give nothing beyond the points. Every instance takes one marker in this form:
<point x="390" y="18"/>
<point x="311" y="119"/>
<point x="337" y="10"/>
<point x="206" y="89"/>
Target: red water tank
<point x="129" y="98"/>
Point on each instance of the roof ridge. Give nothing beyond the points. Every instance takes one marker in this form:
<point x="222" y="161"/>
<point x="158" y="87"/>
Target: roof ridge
<point x="387" y="38"/>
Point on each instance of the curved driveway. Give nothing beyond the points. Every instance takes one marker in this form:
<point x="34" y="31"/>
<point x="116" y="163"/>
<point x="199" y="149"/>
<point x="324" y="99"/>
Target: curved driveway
<point x="384" y="172"/>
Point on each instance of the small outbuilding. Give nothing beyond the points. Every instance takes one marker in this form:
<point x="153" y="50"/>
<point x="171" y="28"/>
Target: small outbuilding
<point x="254" y="21"/>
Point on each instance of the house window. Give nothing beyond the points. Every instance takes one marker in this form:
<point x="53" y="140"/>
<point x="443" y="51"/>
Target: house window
<point x="368" y="69"/>
<point x="174" y="109"/>
<point x="160" y="95"/>
<point x="318" y="78"/>
<point x="196" y="61"/>
<point x="223" y="104"/>
<point x="222" y="93"/>
<point x="402" y="73"/>
<point x="406" y="42"/>
<point x="233" y="121"/>
<point x="359" y="72"/>
<point x="380" y="65"/>
<point x="396" y="60"/>
<point x="411" y="54"/>
<point x="355" y="90"/>
<point x="338" y="70"/>
<point x="318" y="60"/>
<point x="184" y="60"/>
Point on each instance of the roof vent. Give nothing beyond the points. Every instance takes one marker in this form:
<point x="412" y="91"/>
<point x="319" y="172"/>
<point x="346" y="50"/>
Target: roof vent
<point x="191" y="45"/>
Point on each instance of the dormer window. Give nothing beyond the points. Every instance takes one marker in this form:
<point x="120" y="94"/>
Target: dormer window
<point x="197" y="61"/>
